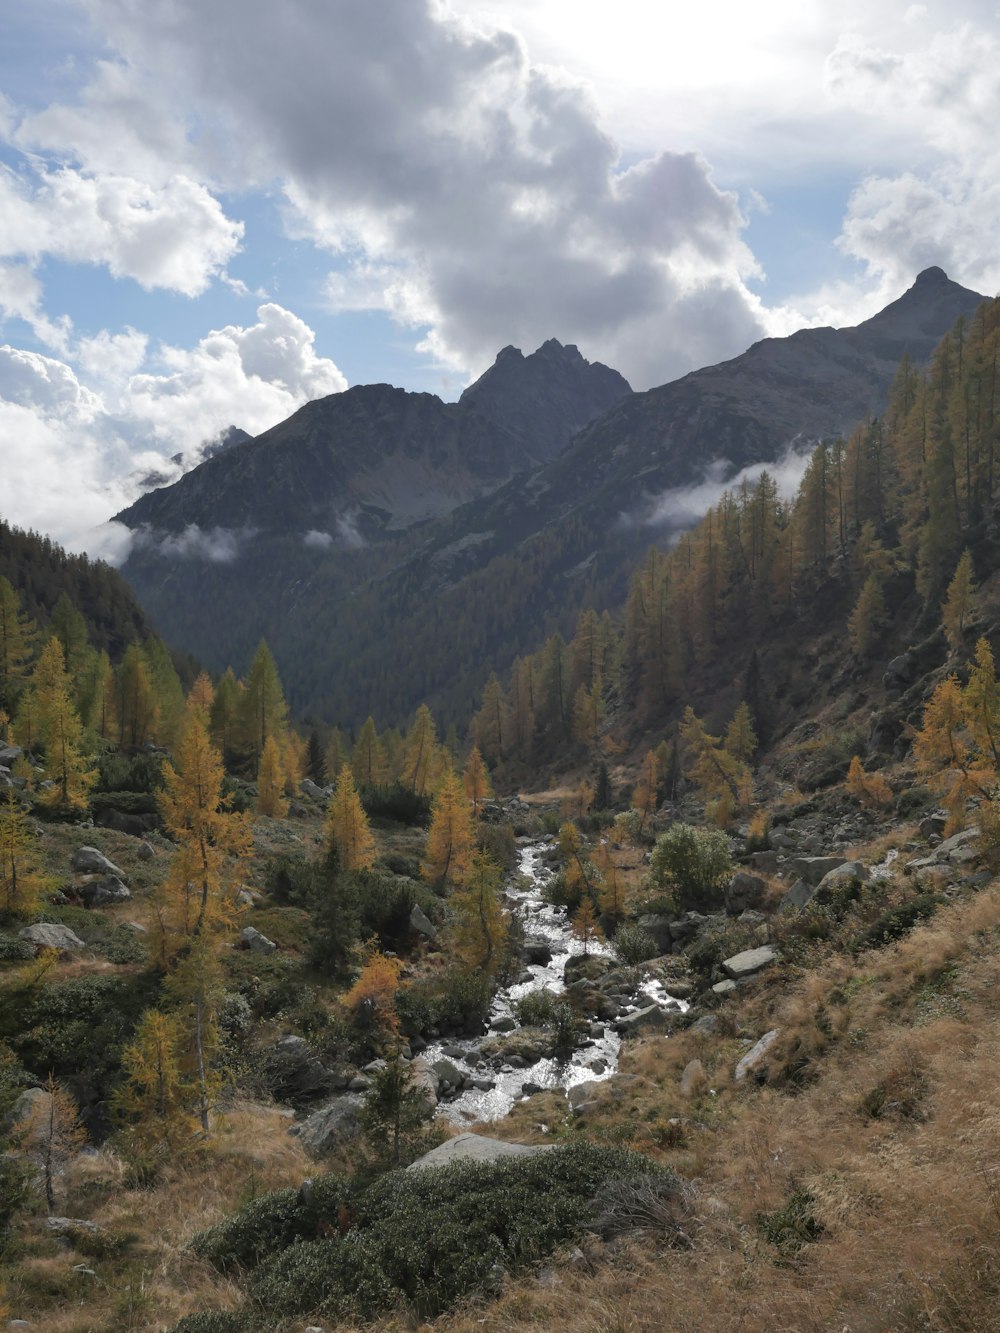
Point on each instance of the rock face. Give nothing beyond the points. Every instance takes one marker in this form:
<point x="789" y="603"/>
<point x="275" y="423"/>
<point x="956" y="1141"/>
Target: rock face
<point x="749" y="962"/>
<point x="89" y="861"/>
<point x="475" y="1148"/>
<point x="47" y="935"/>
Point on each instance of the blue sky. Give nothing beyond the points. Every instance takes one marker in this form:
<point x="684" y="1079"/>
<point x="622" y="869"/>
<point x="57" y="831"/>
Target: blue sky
<point x="211" y="213"/>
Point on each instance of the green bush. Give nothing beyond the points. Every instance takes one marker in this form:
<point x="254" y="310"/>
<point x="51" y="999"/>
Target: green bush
<point x="428" y="1237"/>
<point x="125" y="802"/>
<point x="792" y="1226"/>
<point x="291" y="879"/>
<point x="498" y="841"/>
<point x="397" y="803"/>
<point x="120" y="772"/>
<point x="633" y="945"/>
<point x="536" y="1009"/>
<point x="696" y="860"/>
<point x="14" y="950"/>
<point x="894" y="923"/>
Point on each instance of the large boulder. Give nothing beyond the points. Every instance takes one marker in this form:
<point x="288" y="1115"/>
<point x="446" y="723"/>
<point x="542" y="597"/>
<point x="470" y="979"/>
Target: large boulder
<point x="537" y="952"/>
<point x="89" y="861"/>
<point x="32" y="1105"/>
<point x="421" y="923"/>
<point x="475" y="1148"/>
<point x="10" y="754"/>
<point x="256" y="942"/>
<point x="744" y="891"/>
<point x="48" y="935"/>
<point x="310" y="788"/>
<point x="331" y="1126"/>
<point x="749" y="962"/>
<point x="649" y="1019"/>
<point x="447" y="1072"/>
<point x="585" y="967"/>
<point x="755" y="1055"/>
<point x="850" y="870"/>
<point x="101" y="892"/>
<point x="811" y="868"/>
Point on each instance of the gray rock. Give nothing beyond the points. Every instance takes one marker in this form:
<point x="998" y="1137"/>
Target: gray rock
<point x="933" y="825"/>
<point x="692" y="1078"/>
<point x="724" y="987"/>
<point x="61" y="1225"/>
<point x="848" y="871"/>
<point x="256" y="942"/>
<point x="475" y="1148"/>
<point x="812" y="868"/>
<point x="650" y="1019"/>
<point x="31" y="1104"/>
<point x="101" y="892"/>
<point x="659" y="928"/>
<point x="750" y="961"/>
<point x="48" y="935"/>
<point x="765" y="861"/>
<point x="582" y="1092"/>
<point x="145" y="851"/>
<point x="707" y="1025"/>
<point x="310" y="788"/>
<point x="755" y="1055"/>
<point x="358" y="1084"/>
<point x="529" y="1089"/>
<point x="744" y="891"/>
<point x="330" y="1127"/>
<point x="136" y="927"/>
<point x="447" y="1072"/>
<point x="503" y="1024"/>
<point x="798" y="896"/>
<point x="580" y="968"/>
<point x="421" y="923"/>
<point x="537" y="952"/>
<point x="10" y="754"/>
<point x="89" y="861"/>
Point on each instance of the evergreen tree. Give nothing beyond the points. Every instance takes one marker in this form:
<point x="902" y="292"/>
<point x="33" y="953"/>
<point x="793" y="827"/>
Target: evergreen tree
<point x="202" y="695"/>
<point x="168" y="692"/>
<point x="476" y="780"/>
<point x="960" y="600"/>
<point x="101" y="715"/>
<point x="602" y="787"/>
<point x="481" y="923"/>
<point x="138" y="711"/>
<point x="153" y="1094"/>
<point x="17" y="637"/>
<point x="20" y="882"/>
<point x="368" y="759"/>
<point x="224" y="716"/>
<point x="263" y="706"/>
<point x="315" y="764"/>
<point x="420" y="753"/>
<point x="585" y="926"/>
<point x="51" y="1131"/>
<point x="450" y="838"/>
<point x="271" y="782"/>
<point x="867" y="618"/>
<point x="347" y="826"/>
<point x="60" y="730"/>
<point x="395" y="1111"/>
<point x="741" y="741"/>
<point x="489" y="723"/>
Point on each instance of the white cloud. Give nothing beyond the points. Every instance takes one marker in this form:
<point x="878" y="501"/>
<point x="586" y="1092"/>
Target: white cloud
<point x="683" y="506"/>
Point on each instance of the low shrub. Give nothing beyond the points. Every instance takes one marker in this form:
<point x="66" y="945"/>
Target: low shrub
<point x="695" y="860"/>
<point x="895" y="922"/>
<point x="633" y="945"/>
<point x="14" y="950"/>
<point x="792" y="1226"/>
<point x="397" y="803"/>
<point x="118" y="772"/>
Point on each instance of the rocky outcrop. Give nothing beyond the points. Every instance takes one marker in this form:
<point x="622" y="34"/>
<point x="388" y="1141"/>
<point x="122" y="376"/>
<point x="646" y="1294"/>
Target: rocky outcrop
<point x="89" y="861"/>
<point x="254" y="941"/>
<point x="749" y="962"/>
<point x="104" y="892"/>
<point x="48" y="935"/>
<point x="475" y="1148"/>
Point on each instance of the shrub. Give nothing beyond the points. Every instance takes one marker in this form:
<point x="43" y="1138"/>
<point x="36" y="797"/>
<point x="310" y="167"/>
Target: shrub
<point x="497" y="840"/>
<point x="291" y="878"/>
<point x="696" y="860"/>
<point x="792" y="1226"/>
<point x="897" y="921"/>
<point x="633" y="945"/>
<point x="14" y="950"/>
<point x="120" y="772"/>
<point x="397" y="803"/>
<point x="271" y="1222"/>
<point x="536" y="1009"/>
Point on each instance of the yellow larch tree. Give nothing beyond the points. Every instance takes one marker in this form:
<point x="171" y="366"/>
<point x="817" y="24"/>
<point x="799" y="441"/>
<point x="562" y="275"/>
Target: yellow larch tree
<point x="372" y="998"/>
<point x="420" y="757"/>
<point x="20" y="883"/>
<point x="196" y="987"/>
<point x="271" y="782"/>
<point x="347" y="827"/>
<point x="368" y="757"/>
<point x="450" y="838"/>
<point x="481" y="924"/>
<point x="644" y="798"/>
<point x="612" y="893"/>
<point x="294" y="758"/>
<point x="154" y="1094"/>
<point x="585" y="926"/>
<point x="51" y="1131"/>
<point x="870" y="789"/>
<point x="476" y="780"/>
<point x="959" y="601"/>
<point x="60" y="730"/>
<point x="202" y="694"/>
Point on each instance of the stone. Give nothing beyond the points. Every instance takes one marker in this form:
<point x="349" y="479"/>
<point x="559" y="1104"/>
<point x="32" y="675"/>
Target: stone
<point x="651" y="1018"/>
<point x="10" y="754"/>
<point x="744" y="891"/>
<point x="145" y="851"/>
<point x="101" y="892"/>
<point x="330" y="1127"/>
<point x="256" y="942"/>
<point x="585" y="968"/>
<point x="421" y="923"/>
<point x="136" y="927"/>
<point x="749" y="962"/>
<point x="447" y="1072"/>
<point x="582" y="1092"/>
<point x="32" y="1103"/>
<point x="529" y="1089"/>
<point x="89" y="861"/>
<point x="503" y="1024"/>
<point x="797" y="897"/>
<point x="755" y="1055"/>
<point x="765" y="861"/>
<point x="48" y="935"/>
<point x="811" y="868"/>
<point x="724" y="987"/>
<point x="659" y="927"/>
<point x="693" y="1078"/>
<point x="475" y="1148"/>
<point x="537" y="952"/>
<point x="310" y="788"/>
<point x="842" y="874"/>
<point x="933" y="825"/>
<point x="61" y="1225"/>
<point x="707" y="1025"/>
<point x="358" y="1084"/>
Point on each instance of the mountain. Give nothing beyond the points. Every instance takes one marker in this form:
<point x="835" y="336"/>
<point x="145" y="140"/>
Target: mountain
<point x="547" y="397"/>
<point x="424" y="616"/>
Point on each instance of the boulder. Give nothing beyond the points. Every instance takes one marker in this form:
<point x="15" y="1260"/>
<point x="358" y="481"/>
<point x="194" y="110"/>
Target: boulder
<point x="62" y="1225"/>
<point x="589" y="967"/>
<point x="650" y="1019"/>
<point x="10" y="754"/>
<point x="798" y="896"/>
<point x="101" y="892"/>
<point x="749" y="962"/>
<point x="310" y="788"/>
<point x="724" y="987"/>
<point x="755" y="1055"/>
<point x="811" y="868"/>
<point x="254" y="941"/>
<point x="424" y="1081"/>
<point x="421" y="923"/>
<point x="848" y="871"/>
<point x="330" y="1127"/>
<point x="145" y="851"/>
<point x="744" y="891"/>
<point x="693" y="1078"/>
<point x="32" y="1103"/>
<point x="447" y="1072"/>
<point x="765" y="861"/>
<point x="537" y="952"/>
<point x="933" y="825"/>
<point x="475" y="1148"/>
<point x="659" y="928"/>
<point x="48" y="935"/>
<point x="89" y="861"/>
<point x="582" y="1092"/>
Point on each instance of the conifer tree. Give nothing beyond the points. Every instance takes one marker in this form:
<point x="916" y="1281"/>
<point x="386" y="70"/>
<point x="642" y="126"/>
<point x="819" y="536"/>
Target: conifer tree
<point x="224" y="715"/>
<point x="722" y="779"/>
<point x="450" y="838"/>
<point x="602" y="787"/>
<point x="51" y="1131"/>
<point x="476" y="780"/>
<point x="20" y="882"/>
<point x="293" y="760"/>
<point x="138" y="711"/>
<point x="867" y="618"/>
<point x="585" y="926"/>
<point x="167" y="691"/>
<point x="347" y="825"/>
<point x="395" y="1110"/>
<point x="70" y="628"/>
<point x="154" y="1094"/>
<point x="196" y="988"/>
<point x="337" y="753"/>
<point x="102" y="699"/>
<point x="612" y="896"/>
<point x="60" y="730"/>
<point x="481" y="923"/>
<point x="271" y="782"/>
<point x="368" y="758"/>
<point x="489" y="723"/>
<point x="202" y="695"/>
<point x="263" y="705"/>
<point x="577" y="873"/>
<point x="17" y="637"/>
<point x="644" y="798"/>
<point x="981" y="707"/>
<point x="315" y="764"/>
<point x="960" y="600"/>
<point x="372" y="998"/>
<point x="420" y="755"/>
<point x="741" y="741"/>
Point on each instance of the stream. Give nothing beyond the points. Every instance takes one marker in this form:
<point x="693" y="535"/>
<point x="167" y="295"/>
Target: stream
<point x="595" y="1060"/>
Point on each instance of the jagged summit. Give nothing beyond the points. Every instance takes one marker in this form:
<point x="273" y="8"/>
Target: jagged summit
<point x="547" y="397"/>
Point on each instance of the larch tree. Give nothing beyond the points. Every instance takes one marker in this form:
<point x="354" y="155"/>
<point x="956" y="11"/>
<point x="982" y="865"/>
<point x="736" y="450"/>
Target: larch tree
<point x="20" y="882"/>
<point x="489" y="723"/>
<point x="868" y="617"/>
<point x="315" y="762"/>
<point x="960" y="600"/>
<point x="420" y="754"/>
<point x="138" y="711"/>
<point x="612" y="892"/>
<point x="51" y="1131"/>
<point x="368" y="757"/>
<point x="264" y="711"/>
<point x="17" y="638"/>
<point x="741" y="739"/>
<point x="476" y="780"/>
<point x="337" y="753"/>
<point x="202" y="695"/>
<point x="167" y="690"/>
<point x="347" y="827"/>
<point x="154" y="1094"/>
<point x="372" y="998"/>
<point x="450" y="838"/>
<point x="481" y="924"/>
<point x="196" y="987"/>
<point x="585" y="926"/>
<point x="60" y="731"/>
<point x="224" y="715"/>
<point x="211" y="840"/>
<point x="271" y="782"/>
<point x="294" y="757"/>
<point x="102" y="700"/>
<point x="645" y="798"/>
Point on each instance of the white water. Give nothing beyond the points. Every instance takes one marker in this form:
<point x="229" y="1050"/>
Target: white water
<point x="596" y="1060"/>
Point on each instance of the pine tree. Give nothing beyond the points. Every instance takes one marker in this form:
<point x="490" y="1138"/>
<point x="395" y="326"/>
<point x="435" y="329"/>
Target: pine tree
<point x="481" y="923"/>
<point x="17" y="637"/>
<point x="20" y="882"/>
<point x="315" y="765"/>
<point x="489" y="723"/>
<point x="167" y="691"/>
<point x="70" y="628"/>
<point x="271" y="782"/>
<point x="395" y="1110"/>
<point x="602" y="788"/>
<point x="101" y="715"/>
<point x="577" y="873"/>
<point x="476" y="780"/>
<point x="347" y="826"/>
<point x="644" y="798"/>
<point x="224" y="716"/>
<point x="960" y="600"/>
<point x="294" y="757"/>
<point x="337" y="753"/>
<point x="51" y="1132"/>
<point x="368" y="759"/>
<point x="450" y="838"/>
<point x="741" y="741"/>
<point x="202" y="695"/>
<point x="138" y="711"/>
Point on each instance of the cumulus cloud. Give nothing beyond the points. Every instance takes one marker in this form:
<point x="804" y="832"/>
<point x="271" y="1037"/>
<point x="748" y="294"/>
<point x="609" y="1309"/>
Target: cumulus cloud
<point x="472" y="195"/>
<point x="683" y="506"/>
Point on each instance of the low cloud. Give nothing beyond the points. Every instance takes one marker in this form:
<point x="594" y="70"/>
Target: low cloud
<point x="683" y="506"/>
<point x="217" y="545"/>
<point x="321" y="541"/>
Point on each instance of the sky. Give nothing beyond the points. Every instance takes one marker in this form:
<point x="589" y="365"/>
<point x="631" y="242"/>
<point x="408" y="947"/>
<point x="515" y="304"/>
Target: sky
<point x="211" y="213"/>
